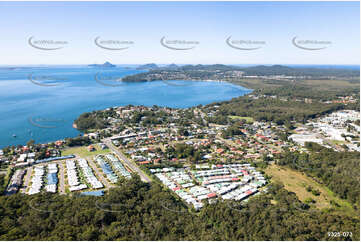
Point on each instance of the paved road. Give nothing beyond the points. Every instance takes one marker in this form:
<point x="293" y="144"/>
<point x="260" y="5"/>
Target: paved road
<point x="27" y="178"/>
<point x="131" y="164"/>
<point x="61" y="187"/>
<point x="98" y="174"/>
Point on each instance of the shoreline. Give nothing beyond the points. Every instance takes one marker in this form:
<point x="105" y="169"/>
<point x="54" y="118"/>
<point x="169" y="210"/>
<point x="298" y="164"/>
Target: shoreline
<point x="74" y="126"/>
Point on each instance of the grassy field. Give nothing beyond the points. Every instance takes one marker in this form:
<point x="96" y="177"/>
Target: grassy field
<point x="82" y="151"/>
<point x="297" y="182"/>
<point x="248" y="119"/>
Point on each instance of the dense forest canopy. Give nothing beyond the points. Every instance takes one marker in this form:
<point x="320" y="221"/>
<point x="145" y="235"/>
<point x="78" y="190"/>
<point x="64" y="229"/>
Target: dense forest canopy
<point x="139" y="211"/>
<point x="273" y="109"/>
<point x="340" y="171"/>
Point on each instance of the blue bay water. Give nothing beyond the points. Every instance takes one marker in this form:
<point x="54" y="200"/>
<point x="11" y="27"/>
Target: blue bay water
<point x="46" y="113"/>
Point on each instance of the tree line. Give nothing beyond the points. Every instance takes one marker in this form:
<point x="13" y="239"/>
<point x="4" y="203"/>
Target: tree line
<point x="339" y="171"/>
<point x="140" y="211"/>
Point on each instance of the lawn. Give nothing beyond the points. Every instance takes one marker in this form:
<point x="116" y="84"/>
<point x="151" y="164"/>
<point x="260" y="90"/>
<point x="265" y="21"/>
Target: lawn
<point x="248" y="119"/>
<point x="297" y="182"/>
<point x="83" y="152"/>
<point x="338" y="142"/>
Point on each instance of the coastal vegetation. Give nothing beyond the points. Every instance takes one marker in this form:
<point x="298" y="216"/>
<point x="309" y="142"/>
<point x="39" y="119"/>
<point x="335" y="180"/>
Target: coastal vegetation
<point x="310" y="194"/>
<point x="208" y="71"/>
<point x="88" y="121"/>
<point x="78" y="141"/>
<point x="283" y="93"/>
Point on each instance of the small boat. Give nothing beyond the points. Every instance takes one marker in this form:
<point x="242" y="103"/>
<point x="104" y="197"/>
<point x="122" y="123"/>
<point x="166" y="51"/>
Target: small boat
<point x="14" y="135"/>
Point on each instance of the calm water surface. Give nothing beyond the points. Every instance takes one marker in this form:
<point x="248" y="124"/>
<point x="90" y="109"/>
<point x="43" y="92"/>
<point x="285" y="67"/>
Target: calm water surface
<point x="42" y="103"/>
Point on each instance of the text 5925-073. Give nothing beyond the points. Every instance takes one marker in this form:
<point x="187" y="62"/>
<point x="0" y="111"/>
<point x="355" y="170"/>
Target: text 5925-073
<point x="339" y="234"/>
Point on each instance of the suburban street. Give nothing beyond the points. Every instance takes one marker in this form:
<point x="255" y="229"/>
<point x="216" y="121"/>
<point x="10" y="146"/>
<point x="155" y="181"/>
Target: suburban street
<point x="27" y="178"/>
<point x="98" y="174"/>
<point x="131" y="164"/>
<point x="61" y="180"/>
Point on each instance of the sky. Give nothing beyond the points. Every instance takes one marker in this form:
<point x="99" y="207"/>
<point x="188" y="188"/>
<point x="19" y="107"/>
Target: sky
<point x="273" y="25"/>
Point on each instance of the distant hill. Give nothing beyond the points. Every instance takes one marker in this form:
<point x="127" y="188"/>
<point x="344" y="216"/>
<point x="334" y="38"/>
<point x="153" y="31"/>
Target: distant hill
<point x="172" y="66"/>
<point x="261" y="70"/>
<point x="268" y="70"/>
<point x="214" y="67"/>
<point x="106" y="64"/>
<point x="206" y="72"/>
<point x="150" y="66"/>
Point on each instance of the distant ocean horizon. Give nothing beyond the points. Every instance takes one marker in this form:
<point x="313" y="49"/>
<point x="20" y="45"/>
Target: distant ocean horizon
<point x="133" y="66"/>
